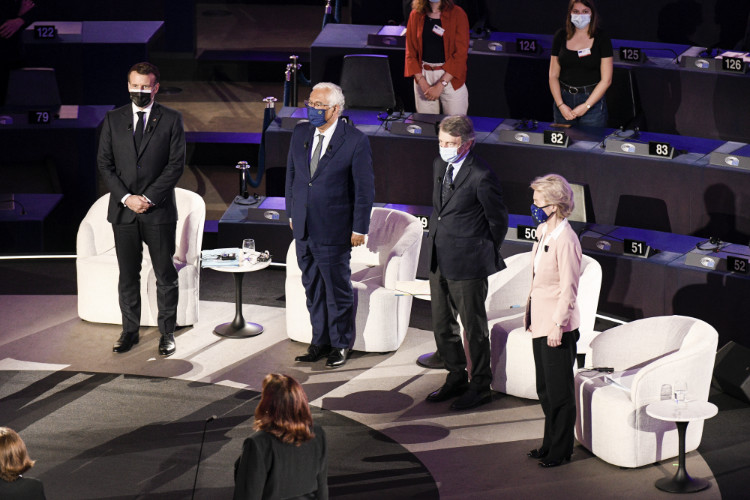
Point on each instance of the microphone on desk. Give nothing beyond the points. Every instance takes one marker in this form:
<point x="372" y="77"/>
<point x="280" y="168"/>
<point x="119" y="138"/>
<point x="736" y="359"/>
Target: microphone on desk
<point x="203" y="438"/>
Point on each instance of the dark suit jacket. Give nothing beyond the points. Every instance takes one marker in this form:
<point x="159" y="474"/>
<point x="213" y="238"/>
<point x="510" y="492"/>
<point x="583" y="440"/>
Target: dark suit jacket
<point x="23" y="488"/>
<point x="153" y="171"/>
<point x="468" y="229"/>
<point x="270" y="469"/>
<point x="338" y="199"/>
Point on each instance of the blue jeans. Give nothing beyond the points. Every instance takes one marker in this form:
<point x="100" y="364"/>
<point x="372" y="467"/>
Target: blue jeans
<point x="595" y="117"/>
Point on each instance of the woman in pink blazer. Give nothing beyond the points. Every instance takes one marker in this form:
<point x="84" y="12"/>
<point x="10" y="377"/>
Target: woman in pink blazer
<point x="552" y="315"/>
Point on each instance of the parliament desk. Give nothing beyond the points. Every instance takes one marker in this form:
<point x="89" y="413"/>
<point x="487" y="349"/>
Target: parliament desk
<point x="668" y="97"/>
<point x="55" y="158"/>
<point x="26" y="222"/>
<point x="683" y="195"/>
<point x="91" y="58"/>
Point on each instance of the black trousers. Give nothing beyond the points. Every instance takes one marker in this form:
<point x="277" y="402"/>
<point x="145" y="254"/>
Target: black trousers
<point x="465" y="298"/>
<point x="160" y="239"/>
<point x="554" y="385"/>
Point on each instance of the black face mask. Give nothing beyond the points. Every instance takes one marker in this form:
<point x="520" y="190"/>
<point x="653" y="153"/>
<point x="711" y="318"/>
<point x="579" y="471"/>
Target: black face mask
<point x="140" y="98"/>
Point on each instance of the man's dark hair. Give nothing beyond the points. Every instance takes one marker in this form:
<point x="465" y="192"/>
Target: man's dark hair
<point x="145" y="68"/>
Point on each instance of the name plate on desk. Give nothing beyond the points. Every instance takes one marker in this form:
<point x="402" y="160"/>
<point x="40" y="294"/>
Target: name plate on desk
<point x="43" y="32"/>
<point x="652" y="148"/>
<point x="554" y="138"/>
<point x="637" y="248"/>
<point x="733" y="65"/>
<point x="41" y="117"/>
<point x="738" y="265"/>
<point x="388" y="36"/>
<point x="527" y="46"/>
<point x="631" y="55"/>
<point x="730" y="160"/>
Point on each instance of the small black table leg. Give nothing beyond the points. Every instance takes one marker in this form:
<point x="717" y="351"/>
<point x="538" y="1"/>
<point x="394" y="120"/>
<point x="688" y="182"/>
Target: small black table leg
<point x="682" y="482"/>
<point x="238" y="328"/>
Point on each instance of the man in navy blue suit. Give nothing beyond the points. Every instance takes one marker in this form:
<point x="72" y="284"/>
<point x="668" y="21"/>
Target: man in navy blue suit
<point x="329" y="193"/>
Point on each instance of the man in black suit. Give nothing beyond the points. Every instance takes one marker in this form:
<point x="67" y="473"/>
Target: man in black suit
<point x="141" y="158"/>
<point x="330" y="189"/>
<point x="467" y="228"/>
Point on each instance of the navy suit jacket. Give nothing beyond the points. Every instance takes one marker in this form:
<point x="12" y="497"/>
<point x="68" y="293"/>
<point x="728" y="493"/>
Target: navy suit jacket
<point x="153" y="171"/>
<point x="338" y="199"/>
<point x="468" y="229"/>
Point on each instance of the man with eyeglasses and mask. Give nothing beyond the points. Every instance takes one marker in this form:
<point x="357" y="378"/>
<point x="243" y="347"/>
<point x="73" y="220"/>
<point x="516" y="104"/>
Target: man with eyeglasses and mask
<point x="329" y="194"/>
<point x="141" y="158"/>
<point x="467" y="228"/>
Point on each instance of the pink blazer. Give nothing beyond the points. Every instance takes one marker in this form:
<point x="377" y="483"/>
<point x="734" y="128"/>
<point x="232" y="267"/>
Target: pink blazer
<point x="554" y="285"/>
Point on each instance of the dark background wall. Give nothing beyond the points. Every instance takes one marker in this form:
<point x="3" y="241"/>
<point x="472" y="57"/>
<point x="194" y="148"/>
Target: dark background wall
<point x="708" y="23"/>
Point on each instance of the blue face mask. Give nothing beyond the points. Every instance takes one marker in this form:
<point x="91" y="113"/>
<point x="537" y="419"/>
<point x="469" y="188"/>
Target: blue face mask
<point x="537" y="213"/>
<point x="316" y="116"/>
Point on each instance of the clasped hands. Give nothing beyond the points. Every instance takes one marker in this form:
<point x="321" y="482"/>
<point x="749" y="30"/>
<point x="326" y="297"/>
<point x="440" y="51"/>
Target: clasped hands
<point x="431" y="92"/>
<point x="572" y="114"/>
<point x="137" y="203"/>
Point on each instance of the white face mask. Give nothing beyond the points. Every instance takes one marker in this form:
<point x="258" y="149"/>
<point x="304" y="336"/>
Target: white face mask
<point x="580" y="21"/>
<point x="449" y="155"/>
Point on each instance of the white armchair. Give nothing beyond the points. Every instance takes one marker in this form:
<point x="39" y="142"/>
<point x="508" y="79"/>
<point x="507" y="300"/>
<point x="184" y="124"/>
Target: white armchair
<point x="611" y="417"/>
<point x="512" y="357"/>
<point x="97" y="271"/>
<point x="390" y="254"/>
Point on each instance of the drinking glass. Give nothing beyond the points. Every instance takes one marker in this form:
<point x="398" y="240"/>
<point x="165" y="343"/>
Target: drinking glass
<point x="680" y="392"/>
<point x="248" y="248"/>
<point x="666" y="392"/>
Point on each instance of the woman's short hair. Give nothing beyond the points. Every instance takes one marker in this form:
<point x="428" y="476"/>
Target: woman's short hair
<point x="337" y="95"/>
<point x="423" y="6"/>
<point x="14" y="459"/>
<point x="458" y="126"/>
<point x="283" y="410"/>
<point x="556" y="191"/>
<point x="593" y="25"/>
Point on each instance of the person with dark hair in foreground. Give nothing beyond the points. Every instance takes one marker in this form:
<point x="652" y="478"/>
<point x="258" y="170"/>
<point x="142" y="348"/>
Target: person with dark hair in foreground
<point x="141" y="158"/>
<point x="286" y="457"/>
<point x="467" y="228"/>
<point x="14" y="461"/>
<point x="580" y="68"/>
<point x="552" y="315"/>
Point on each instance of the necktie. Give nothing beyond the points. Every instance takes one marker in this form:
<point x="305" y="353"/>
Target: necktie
<point x="447" y="181"/>
<point x="138" y="136"/>
<point x="316" y="156"/>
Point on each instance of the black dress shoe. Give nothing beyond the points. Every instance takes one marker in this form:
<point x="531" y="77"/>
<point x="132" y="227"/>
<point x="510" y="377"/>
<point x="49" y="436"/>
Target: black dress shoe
<point x="167" y="345"/>
<point x="447" y="391"/>
<point x="314" y="353"/>
<point x="537" y="453"/>
<point x="125" y="342"/>
<point x="471" y="399"/>
<point x="553" y="463"/>
<point x="337" y="357"/>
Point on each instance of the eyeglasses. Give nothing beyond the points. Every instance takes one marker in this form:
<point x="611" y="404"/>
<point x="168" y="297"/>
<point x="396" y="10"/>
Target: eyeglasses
<point x="318" y="105"/>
